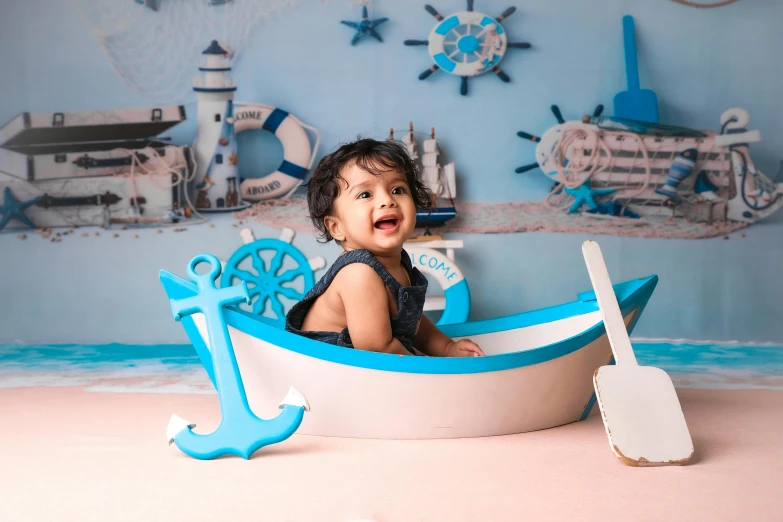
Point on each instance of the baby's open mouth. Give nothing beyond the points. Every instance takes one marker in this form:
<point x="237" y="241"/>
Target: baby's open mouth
<point x="387" y="222"/>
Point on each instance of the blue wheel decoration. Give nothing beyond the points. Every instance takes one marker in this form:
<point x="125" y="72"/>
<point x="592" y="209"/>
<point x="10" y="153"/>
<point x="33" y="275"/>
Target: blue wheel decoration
<point x="467" y="44"/>
<point x="265" y="283"/>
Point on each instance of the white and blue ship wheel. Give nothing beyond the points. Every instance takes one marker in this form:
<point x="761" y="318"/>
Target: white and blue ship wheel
<point x="458" y="44"/>
<point x="450" y="278"/>
<point x="467" y="44"/>
<point x="296" y="151"/>
<point x="267" y="282"/>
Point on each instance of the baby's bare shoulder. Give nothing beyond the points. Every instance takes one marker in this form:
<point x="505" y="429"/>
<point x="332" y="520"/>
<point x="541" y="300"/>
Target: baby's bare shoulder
<point x="357" y="277"/>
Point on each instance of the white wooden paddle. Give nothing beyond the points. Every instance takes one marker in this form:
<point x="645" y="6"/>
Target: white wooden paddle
<point x="639" y="405"/>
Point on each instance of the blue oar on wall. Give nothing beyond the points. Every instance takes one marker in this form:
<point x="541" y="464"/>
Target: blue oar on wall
<point x="635" y="103"/>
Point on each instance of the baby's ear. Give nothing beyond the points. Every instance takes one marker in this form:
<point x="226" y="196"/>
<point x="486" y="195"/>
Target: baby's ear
<point x="334" y="227"/>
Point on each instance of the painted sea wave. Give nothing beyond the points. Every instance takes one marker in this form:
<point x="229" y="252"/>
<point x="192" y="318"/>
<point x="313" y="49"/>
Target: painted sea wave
<point x="175" y="368"/>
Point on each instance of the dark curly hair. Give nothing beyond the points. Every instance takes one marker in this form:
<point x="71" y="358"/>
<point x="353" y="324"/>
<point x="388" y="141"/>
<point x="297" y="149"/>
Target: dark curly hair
<point x="373" y="156"/>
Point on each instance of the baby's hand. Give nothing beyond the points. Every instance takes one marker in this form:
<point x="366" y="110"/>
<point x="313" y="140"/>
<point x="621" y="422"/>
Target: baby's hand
<point x="463" y="348"/>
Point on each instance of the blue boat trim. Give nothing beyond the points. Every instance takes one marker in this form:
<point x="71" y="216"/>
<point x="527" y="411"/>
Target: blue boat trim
<point x="588" y="407"/>
<point x="632" y="295"/>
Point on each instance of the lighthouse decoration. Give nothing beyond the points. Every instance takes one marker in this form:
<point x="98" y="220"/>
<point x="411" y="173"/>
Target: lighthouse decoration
<point x="217" y="175"/>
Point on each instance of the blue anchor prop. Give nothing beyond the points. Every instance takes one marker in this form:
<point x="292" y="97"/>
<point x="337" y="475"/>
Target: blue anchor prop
<point x="240" y="432"/>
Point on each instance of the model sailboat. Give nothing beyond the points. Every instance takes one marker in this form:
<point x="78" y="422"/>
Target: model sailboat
<point x="440" y="179"/>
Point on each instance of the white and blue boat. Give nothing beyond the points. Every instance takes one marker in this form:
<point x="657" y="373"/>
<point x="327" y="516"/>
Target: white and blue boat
<point x="537" y="374"/>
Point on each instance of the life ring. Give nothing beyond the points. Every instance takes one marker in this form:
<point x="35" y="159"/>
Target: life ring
<point x="449" y="277"/>
<point x="296" y="151"/>
<point x="455" y="44"/>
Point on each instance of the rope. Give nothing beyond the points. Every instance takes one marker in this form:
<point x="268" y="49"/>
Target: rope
<point x="704" y="6"/>
<point x="577" y="173"/>
<point x="579" y="169"/>
<point x="175" y="170"/>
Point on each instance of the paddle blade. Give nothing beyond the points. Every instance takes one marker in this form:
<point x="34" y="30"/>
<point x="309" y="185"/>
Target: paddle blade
<point x="642" y="416"/>
<point x="641" y="105"/>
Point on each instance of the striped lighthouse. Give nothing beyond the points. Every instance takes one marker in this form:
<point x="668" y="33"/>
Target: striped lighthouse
<point x="217" y="174"/>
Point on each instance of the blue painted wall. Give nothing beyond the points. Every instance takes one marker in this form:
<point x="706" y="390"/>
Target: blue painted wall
<point x="700" y="62"/>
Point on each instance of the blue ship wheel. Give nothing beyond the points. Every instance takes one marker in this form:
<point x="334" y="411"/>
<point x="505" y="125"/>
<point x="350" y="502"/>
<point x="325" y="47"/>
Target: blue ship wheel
<point x="268" y="283"/>
<point x="467" y="44"/>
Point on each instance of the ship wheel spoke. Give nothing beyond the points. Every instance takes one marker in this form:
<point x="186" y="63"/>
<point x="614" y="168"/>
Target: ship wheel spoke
<point x="456" y="51"/>
<point x="258" y="263"/>
<point x="556" y="111"/>
<point x="431" y="10"/>
<point x="260" y="304"/>
<point x="277" y="308"/>
<point x="508" y="12"/>
<point x="290" y="275"/>
<point x="429" y="71"/>
<point x="244" y="275"/>
<point x="531" y="137"/>
<point x="274" y="266"/>
<point x="290" y="293"/>
<point x="500" y="74"/>
<point x="525" y="168"/>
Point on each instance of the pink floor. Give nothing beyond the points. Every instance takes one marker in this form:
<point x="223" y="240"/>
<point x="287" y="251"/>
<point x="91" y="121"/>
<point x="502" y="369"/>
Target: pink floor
<point x="66" y="454"/>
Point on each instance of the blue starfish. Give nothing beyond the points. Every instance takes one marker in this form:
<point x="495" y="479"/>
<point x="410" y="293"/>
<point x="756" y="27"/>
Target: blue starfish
<point x="584" y="194"/>
<point x="12" y="208"/>
<point x="365" y="26"/>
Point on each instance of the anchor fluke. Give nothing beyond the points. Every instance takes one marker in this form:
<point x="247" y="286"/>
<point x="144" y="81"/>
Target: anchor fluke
<point x="295" y="398"/>
<point x="176" y="425"/>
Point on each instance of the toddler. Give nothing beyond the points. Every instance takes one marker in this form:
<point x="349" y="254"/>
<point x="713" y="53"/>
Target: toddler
<point x="364" y="196"/>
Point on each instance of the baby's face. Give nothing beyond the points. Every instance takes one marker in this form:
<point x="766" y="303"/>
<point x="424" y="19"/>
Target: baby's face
<point x="373" y="212"/>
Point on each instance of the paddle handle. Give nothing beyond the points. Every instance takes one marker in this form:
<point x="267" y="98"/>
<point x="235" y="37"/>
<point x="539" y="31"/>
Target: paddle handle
<point x="631" y="61"/>
<point x="607" y="303"/>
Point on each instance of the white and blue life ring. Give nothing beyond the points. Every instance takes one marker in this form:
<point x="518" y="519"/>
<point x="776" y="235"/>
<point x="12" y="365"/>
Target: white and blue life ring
<point x="297" y="151"/>
<point x="458" y="44"/>
<point x="449" y="277"/>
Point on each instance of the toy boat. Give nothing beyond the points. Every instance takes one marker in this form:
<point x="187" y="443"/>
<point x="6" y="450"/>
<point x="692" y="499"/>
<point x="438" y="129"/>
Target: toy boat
<point x="537" y="373"/>
<point x="440" y="179"/>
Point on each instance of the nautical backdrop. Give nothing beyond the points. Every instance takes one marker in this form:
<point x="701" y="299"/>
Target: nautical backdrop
<point x="103" y="289"/>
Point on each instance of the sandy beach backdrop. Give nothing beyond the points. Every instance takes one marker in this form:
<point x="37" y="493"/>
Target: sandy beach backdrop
<point x="83" y="439"/>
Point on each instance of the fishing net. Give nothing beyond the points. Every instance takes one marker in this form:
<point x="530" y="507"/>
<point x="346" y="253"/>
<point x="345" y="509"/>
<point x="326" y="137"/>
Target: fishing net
<point x="155" y="46"/>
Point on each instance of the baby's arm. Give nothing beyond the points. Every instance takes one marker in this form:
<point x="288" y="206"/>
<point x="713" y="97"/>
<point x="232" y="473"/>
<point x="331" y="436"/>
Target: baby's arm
<point x="433" y="342"/>
<point x="366" y="304"/>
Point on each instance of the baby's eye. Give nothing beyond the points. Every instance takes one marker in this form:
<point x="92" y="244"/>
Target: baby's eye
<point x="363" y="195"/>
<point x="398" y="190"/>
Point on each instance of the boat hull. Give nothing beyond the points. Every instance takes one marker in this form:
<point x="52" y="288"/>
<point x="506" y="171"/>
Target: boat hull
<point x="537" y="374"/>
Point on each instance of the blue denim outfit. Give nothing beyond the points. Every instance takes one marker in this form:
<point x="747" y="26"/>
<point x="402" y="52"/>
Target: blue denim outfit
<point x="410" y="300"/>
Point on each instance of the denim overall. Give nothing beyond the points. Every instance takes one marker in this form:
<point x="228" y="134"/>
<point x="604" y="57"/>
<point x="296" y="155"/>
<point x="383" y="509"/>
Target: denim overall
<point x="410" y="300"/>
